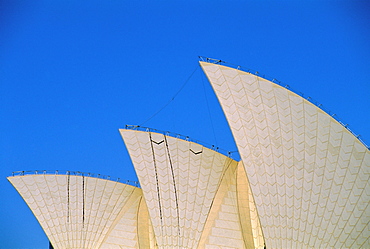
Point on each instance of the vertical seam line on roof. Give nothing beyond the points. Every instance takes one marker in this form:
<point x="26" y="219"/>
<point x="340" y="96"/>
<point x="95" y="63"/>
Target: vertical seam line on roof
<point x="68" y="182"/>
<point x="84" y="188"/>
<point x="174" y="185"/>
<point x="156" y="178"/>
<point x="83" y="201"/>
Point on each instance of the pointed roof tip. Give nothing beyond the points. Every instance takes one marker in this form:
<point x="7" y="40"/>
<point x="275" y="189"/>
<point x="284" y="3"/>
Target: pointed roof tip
<point x="210" y="60"/>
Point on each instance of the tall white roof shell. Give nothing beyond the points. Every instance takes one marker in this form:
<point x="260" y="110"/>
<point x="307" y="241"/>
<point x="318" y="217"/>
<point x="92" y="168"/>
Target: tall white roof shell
<point x="308" y="174"/>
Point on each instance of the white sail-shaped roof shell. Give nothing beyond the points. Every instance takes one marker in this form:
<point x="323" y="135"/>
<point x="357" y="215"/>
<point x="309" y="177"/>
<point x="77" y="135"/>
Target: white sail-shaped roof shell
<point x="84" y="212"/>
<point x="308" y="174"/>
<point x="191" y="193"/>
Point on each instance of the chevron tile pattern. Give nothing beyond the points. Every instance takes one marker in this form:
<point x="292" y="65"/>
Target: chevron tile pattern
<point x="180" y="180"/>
<point x="308" y="174"/>
<point x="76" y="211"/>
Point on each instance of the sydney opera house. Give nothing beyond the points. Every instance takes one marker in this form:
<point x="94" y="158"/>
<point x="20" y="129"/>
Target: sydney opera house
<point x="302" y="182"/>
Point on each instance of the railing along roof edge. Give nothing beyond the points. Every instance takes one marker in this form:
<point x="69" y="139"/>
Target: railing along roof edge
<point x="75" y="173"/>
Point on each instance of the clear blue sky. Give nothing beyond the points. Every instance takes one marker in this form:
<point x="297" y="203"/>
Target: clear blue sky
<point x="73" y="72"/>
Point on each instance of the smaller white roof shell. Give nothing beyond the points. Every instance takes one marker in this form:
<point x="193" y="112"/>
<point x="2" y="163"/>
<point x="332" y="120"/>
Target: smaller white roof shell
<point x="191" y="193"/>
<point x="76" y="211"/>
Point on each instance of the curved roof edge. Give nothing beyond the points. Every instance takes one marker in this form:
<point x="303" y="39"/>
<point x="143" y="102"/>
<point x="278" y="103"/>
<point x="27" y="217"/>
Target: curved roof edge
<point x="75" y="173"/>
<point x="231" y="154"/>
<point x="278" y="82"/>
